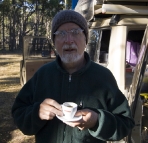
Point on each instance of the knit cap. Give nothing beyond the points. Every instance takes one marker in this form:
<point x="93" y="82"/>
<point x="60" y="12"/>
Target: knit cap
<point x="66" y="16"/>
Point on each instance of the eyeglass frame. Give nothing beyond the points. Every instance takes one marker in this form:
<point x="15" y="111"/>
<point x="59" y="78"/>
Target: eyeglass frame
<point x="65" y="33"/>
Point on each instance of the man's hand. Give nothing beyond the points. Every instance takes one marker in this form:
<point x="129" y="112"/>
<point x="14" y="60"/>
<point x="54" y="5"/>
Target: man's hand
<point x="89" y="119"/>
<point x="49" y="108"/>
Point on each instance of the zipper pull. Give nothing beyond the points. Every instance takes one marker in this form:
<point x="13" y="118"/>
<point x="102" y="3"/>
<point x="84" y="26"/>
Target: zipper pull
<point x="70" y="78"/>
<point x="80" y="105"/>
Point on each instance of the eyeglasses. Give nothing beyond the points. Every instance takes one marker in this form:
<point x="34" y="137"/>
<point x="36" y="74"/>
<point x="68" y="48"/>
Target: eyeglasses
<point x="73" y="32"/>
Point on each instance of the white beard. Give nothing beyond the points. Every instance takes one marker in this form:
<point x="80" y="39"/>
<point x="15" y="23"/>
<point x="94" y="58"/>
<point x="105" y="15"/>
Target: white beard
<point x="70" y="57"/>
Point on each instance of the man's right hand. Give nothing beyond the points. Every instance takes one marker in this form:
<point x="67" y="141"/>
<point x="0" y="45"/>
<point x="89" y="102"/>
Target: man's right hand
<point x="49" y="108"/>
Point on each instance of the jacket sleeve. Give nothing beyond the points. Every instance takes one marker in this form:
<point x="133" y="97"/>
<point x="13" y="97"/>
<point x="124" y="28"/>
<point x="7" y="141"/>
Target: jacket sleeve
<point x="25" y="111"/>
<point x="115" y="124"/>
<point x="114" y="117"/>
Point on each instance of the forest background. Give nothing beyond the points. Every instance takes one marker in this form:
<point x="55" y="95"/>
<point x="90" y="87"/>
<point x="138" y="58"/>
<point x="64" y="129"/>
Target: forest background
<point x="19" y="18"/>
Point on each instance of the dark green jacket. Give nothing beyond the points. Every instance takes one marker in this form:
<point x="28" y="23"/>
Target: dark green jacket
<point x="94" y="85"/>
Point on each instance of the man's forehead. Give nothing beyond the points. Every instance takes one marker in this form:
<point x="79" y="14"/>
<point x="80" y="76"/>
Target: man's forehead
<point x="68" y="26"/>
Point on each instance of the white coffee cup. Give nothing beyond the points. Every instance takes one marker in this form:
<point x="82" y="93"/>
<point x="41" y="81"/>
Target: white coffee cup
<point x="69" y="109"/>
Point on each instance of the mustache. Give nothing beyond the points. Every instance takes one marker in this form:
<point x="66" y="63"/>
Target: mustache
<point x="67" y="47"/>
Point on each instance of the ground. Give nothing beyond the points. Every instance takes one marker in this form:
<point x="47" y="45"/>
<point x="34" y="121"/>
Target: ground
<point x="9" y="87"/>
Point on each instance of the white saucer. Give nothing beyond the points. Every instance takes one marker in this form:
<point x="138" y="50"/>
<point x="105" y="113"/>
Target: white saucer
<point x="76" y="118"/>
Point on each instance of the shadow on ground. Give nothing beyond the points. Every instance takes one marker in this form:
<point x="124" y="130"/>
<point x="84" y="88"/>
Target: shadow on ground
<point x="9" y="88"/>
<point x="6" y="121"/>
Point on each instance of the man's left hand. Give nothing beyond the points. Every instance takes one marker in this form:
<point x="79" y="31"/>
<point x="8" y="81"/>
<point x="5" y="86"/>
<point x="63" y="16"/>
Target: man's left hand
<point x="89" y="119"/>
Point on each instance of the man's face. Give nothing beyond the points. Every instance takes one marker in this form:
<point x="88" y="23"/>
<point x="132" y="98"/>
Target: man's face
<point x="70" y="43"/>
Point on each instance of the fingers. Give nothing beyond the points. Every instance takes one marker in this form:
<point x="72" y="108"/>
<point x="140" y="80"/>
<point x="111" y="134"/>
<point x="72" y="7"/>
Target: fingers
<point x="46" y="116"/>
<point x="79" y="124"/>
<point x="82" y="112"/>
<point x="46" y="108"/>
<point x="49" y="108"/>
<point x="89" y="119"/>
<point x="53" y="103"/>
<point x="81" y="128"/>
<point x="73" y="124"/>
<point x="78" y="113"/>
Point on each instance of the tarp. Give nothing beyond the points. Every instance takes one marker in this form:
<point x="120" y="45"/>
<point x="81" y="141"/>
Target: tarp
<point x="74" y="3"/>
<point x="86" y="8"/>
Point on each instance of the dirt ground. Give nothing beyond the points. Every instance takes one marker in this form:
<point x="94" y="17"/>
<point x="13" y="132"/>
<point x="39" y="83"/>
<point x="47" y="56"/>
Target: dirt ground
<point x="9" y="87"/>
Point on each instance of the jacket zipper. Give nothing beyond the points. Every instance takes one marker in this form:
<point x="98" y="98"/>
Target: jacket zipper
<point x="70" y="78"/>
<point x="65" y="125"/>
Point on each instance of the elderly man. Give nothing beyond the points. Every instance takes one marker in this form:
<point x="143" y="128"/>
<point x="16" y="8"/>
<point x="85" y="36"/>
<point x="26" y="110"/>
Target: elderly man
<point x="72" y="77"/>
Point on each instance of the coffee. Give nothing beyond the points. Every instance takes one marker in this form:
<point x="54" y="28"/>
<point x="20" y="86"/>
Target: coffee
<point x="69" y="106"/>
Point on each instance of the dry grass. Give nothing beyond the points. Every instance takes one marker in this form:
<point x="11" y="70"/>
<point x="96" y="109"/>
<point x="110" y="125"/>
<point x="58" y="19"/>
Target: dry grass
<point x="9" y="87"/>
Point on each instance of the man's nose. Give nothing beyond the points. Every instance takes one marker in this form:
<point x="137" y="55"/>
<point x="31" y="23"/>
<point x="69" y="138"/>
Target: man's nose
<point x="69" y="38"/>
